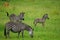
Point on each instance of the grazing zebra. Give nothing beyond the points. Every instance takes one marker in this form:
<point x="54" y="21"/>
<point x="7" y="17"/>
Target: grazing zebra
<point x="17" y="28"/>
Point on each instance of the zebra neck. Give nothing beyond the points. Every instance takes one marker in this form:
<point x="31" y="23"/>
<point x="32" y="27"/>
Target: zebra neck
<point x="44" y="18"/>
<point x="28" y="29"/>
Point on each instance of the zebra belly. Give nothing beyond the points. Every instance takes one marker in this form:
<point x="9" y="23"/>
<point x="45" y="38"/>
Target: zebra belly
<point x="15" y="29"/>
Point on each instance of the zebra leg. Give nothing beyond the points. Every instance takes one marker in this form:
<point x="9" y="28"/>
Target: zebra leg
<point x="22" y="34"/>
<point x="18" y="34"/>
<point x="35" y="23"/>
<point x="7" y="34"/>
<point x="43" y="24"/>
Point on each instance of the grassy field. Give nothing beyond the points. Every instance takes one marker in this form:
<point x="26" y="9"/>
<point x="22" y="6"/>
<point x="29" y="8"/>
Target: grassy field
<point x="33" y="9"/>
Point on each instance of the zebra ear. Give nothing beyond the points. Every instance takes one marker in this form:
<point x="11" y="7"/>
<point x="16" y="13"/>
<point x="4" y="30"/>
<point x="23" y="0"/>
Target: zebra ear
<point x="7" y="13"/>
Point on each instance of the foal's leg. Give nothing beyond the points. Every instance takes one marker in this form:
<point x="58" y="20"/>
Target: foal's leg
<point x="43" y="24"/>
<point x="35" y="23"/>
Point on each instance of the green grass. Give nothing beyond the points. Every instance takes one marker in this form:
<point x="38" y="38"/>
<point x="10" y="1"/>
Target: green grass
<point x="33" y="9"/>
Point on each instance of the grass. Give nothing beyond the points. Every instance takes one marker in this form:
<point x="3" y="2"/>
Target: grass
<point x="33" y="9"/>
